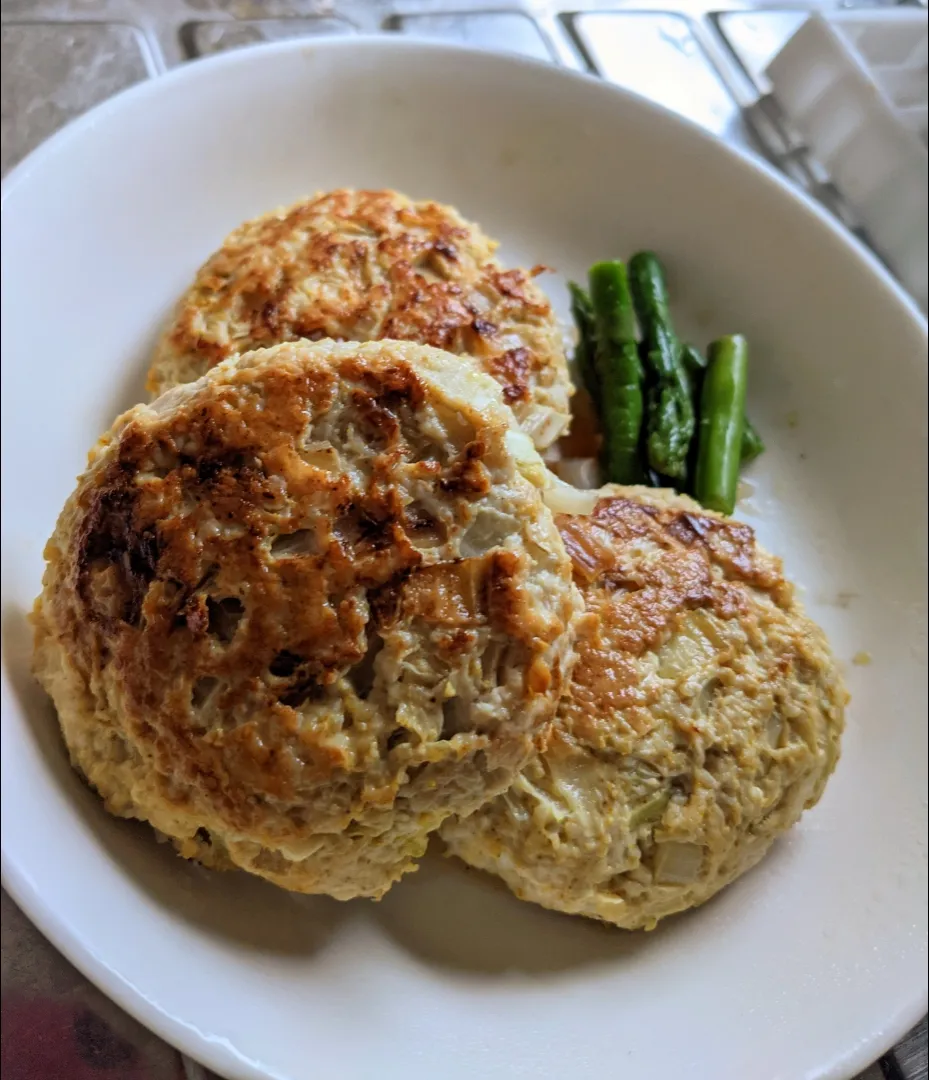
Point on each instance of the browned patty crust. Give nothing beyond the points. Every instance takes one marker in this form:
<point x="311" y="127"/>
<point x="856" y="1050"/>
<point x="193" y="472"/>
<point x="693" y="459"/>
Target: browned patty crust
<point x="298" y="612"/>
<point x="368" y="265"/>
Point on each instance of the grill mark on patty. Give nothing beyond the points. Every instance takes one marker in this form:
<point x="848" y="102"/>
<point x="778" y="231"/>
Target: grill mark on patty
<point x="638" y="601"/>
<point x="197" y="530"/>
<point x="361" y="266"/>
<point x="512" y="369"/>
<point x="110" y="536"/>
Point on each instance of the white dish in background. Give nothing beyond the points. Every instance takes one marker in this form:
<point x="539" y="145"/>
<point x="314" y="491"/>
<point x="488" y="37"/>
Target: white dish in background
<point x="855" y="86"/>
<point x="810" y="966"/>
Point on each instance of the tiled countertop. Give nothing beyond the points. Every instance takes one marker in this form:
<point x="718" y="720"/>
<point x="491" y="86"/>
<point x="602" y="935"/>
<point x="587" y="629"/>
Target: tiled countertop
<point x="61" y="57"/>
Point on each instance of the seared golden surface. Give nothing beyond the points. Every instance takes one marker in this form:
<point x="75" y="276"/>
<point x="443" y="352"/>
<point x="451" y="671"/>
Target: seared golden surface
<point x="367" y="265"/>
<point x="703" y="716"/>
<point x="297" y="613"/>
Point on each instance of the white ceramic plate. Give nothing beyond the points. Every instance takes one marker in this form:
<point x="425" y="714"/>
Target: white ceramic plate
<point x="810" y="966"/>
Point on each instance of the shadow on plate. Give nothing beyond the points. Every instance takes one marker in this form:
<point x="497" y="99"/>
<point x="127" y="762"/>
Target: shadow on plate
<point x="450" y="916"/>
<point x="130" y="389"/>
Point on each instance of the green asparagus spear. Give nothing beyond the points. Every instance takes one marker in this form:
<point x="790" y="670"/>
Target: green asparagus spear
<point x="695" y="365"/>
<point x="656" y="480"/>
<point x="722" y="424"/>
<point x="670" y="419"/>
<point x="752" y="445"/>
<point x="583" y="313"/>
<point x="618" y="370"/>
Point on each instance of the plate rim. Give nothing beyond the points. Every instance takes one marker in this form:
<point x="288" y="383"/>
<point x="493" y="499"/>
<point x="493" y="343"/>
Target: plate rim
<point x="15" y="878"/>
<point x="201" y="68"/>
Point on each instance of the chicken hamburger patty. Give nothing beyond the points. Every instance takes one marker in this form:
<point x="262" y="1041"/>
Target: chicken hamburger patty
<point x="703" y="717"/>
<point x="368" y="265"/>
<point x="298" y="612"/>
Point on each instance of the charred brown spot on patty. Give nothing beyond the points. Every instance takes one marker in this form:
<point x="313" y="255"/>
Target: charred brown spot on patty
<point x="368" y="265"/>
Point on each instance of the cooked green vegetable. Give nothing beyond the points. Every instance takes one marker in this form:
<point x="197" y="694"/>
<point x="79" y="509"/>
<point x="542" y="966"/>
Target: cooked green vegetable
<point x="752" y="445"/>
<point x="651" y="809"/>
<point x="618" y="371"/>
<point x="656" y="480"/>
<point x="583" y="313"/>
<point x="670" y="419"/>
<point x="694" y="362"/>
<point x="695" y="365"/>
<point x="722" y="424"/>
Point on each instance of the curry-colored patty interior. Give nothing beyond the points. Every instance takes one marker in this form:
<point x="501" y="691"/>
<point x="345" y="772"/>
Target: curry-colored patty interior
<point x="703" y="716"/>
